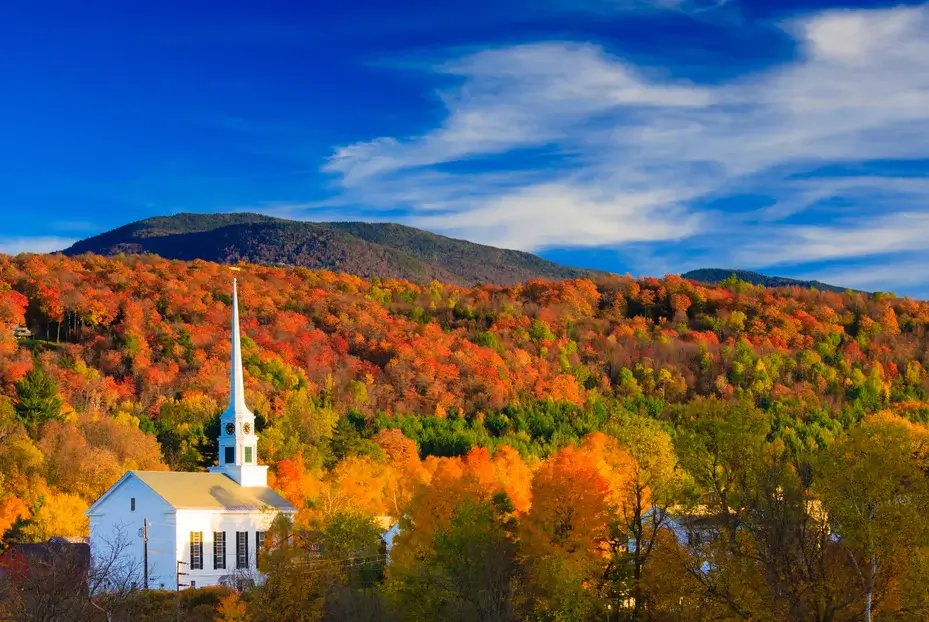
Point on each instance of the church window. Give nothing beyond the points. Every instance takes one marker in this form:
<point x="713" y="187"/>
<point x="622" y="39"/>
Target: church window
<point x="219" y="550"/>
<point x="248" y="455"/>
<point x="230" y="455"/>
<point x="196" y="550"/>
<point x="259" y="542"/>
<point x="241" y="549"/>
<point x="132" y="504"/>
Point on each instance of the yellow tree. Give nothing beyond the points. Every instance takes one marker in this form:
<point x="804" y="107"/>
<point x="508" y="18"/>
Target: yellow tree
<point x="565" y="533"/>
<point x="57" y="515"/>
<point x="649" y="483"/>
<point x="433" y="506"/>
<point x="875" y="492"/>
<point x="515" y="476"/>
<point x="405" y="472"/>
<point x="357" y="484"/>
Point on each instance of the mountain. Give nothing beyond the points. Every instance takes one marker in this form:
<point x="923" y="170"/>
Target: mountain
<point x="717" y="275"/>
<point x="367" y="249"/>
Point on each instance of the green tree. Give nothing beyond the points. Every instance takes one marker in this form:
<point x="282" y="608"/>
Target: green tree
<point x="350" y="437"/>
<point x="305" y="427"/>
<point x="187" y="429"/>
<point x="352" y="540"/>
<point x="472" y="571"/>
<point x="294" y="588"/>
<point x="37" y="399"/>
<point x="719" y="443"/>
<point x="335" y="580"/>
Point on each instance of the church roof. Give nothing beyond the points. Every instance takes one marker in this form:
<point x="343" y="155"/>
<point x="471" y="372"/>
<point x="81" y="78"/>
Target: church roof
<point x="210" y="491"/>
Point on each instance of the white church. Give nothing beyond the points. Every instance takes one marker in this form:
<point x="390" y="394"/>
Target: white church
<point x="209" y="526"/>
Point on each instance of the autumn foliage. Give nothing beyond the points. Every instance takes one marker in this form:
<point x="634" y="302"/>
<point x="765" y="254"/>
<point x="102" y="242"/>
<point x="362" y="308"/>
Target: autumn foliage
<point x="558" y="435"/>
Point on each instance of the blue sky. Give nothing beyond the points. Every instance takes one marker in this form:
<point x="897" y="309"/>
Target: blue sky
<point x="649" y="136"/>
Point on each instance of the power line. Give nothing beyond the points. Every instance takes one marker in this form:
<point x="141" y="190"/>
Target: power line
<point x="324" y="564"/>
<point x="331" y="568"/>
<point x="336" y="560"/>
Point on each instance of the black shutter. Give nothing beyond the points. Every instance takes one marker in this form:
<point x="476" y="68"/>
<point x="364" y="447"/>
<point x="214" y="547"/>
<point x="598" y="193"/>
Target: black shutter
<point x="219" y="550"/>
<point x="241" y="538"/>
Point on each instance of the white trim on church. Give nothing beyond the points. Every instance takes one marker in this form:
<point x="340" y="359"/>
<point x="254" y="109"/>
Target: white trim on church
<point x="212" y="523"/>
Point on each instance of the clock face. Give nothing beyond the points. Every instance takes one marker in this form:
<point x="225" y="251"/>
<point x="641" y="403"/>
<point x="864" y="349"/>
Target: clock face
<point x="246" y="428"/>
<point x="230" y="428"/>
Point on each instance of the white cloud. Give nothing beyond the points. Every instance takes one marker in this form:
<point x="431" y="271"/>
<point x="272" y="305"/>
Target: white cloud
<point x="13" y="245"/>
<point x="893" y="233"/>
<point x="546" y="215"/>
<point x="516" y="97"/>
<point x="862" y="37"/>
<point x="884" y="277"/>
<point x="601" y="152"/>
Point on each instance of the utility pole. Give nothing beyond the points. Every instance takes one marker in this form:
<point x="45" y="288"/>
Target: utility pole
<point x="177" y="592"/>
<point x="145" y="549"/>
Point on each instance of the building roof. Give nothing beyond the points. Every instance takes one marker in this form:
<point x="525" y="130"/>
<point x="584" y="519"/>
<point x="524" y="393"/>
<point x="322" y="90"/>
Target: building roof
<point x="46" y="551"/>
<point x="24" y="561"/>
<point x="210" y="491"/>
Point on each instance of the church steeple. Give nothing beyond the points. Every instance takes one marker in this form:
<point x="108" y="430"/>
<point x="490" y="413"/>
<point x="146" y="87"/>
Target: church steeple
<point x="238" y="443"/>
<point x="237" y="381"/>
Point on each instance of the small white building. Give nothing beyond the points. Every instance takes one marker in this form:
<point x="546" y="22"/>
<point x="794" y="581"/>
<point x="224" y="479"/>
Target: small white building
<point x="388" y="537"/>
<point x="210" y="526"/>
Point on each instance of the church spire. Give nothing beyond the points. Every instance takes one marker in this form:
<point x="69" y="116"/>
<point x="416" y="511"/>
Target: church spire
<point x="237" y="381"/>
<point x="237" y="442"/>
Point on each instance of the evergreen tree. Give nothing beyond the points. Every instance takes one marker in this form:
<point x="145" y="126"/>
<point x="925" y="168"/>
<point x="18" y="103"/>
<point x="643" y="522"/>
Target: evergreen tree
<point x="37" y="399"/>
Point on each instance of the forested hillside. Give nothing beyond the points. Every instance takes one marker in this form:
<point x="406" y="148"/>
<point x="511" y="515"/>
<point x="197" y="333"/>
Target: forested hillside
<point x="523" y="434"/>
<point x="361" y="248"/>
<point x="716" y="276"/>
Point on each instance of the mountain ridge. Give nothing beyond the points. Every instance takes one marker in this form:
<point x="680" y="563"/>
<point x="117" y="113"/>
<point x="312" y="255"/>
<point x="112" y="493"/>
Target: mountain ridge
<point x="718" y="275"/>
<point x="385" y="250"/>
<point x="369" y="250"/>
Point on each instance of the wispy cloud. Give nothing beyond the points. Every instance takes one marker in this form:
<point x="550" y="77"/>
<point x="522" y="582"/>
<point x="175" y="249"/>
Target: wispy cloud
<point x="605" y="7"/>
<point x="909" y="273"/>
<point x="516" y="97"/>
<point x="893" y="233"/>
<point x="563" y="143"/>
<point x="13" y="245"/>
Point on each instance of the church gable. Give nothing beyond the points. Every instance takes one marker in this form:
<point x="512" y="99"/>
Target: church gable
<point x="128" y="496"/>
